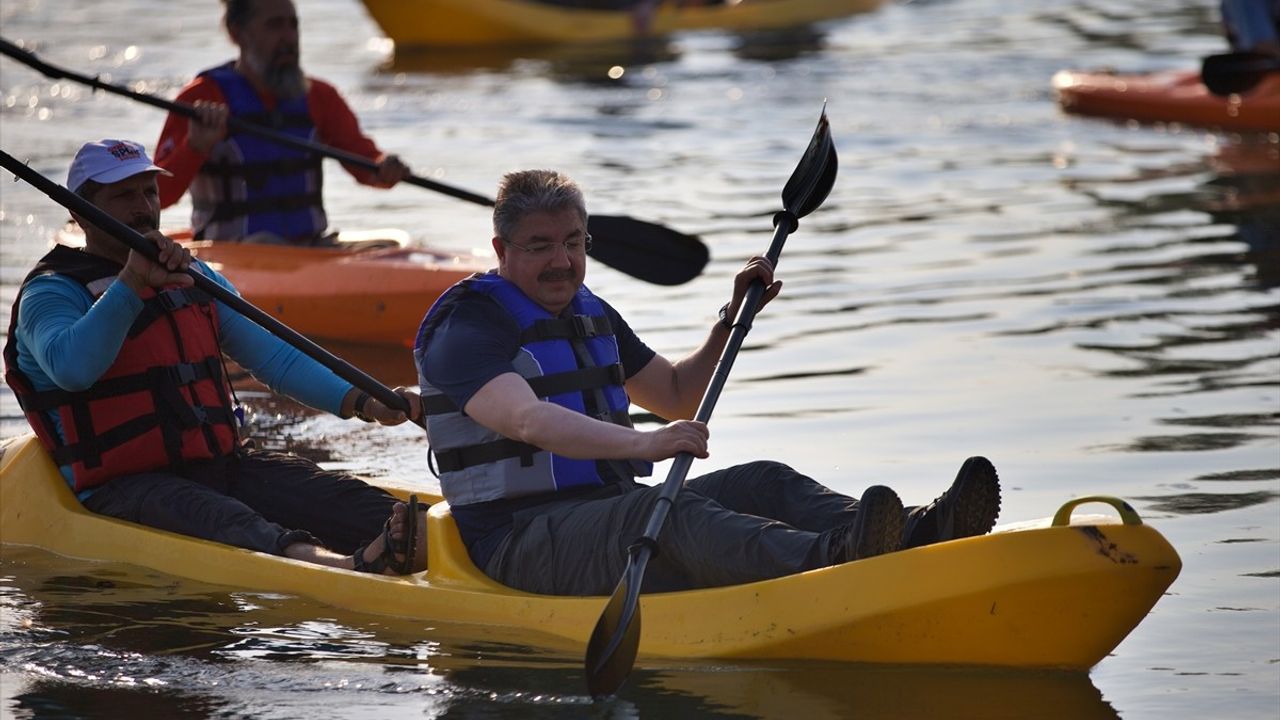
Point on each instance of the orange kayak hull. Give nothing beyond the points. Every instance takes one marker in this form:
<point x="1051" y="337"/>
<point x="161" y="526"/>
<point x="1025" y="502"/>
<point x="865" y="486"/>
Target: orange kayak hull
<point x="376" y="295"/>
<point x="1169" y="97"/>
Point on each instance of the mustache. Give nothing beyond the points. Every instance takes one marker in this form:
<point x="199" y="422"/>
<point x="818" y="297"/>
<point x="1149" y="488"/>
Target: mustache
<point x="557" y="275"/>
<point x="280" y="71"/>
<point x="286" y="55"/>
<point x="145" y="224"/>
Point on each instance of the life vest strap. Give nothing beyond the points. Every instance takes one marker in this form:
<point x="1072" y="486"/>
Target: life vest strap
<point x="544" y="386"/>
<point x="576" y="326"/>
<point x="259" y="172"/>
<point x="182" y="373"/>
<point x="232" y="209"/>
<point x="89" y="449"/>
<point x="461" y="458"/>
<point x="277" y="119"/>
<point x="164" y="302"/>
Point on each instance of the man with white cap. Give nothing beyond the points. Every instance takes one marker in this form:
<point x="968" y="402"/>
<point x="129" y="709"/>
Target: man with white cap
<point x="117" y="363"/>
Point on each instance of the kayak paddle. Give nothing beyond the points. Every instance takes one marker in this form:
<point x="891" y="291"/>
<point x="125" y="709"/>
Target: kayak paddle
<point x="611" y="651"/>
<point x="641" y="249"/>
<point x="137" y="242"/>
<point x="1234" y="73"/>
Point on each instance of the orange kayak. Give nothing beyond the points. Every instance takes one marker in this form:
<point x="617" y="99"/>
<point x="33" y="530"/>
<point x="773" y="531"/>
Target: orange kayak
<point x="371" y="291"/>
<point x="1168" y="97"/>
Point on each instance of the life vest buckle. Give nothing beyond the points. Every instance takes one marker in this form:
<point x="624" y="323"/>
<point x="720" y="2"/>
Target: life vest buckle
<point x="583" y="326"/>
<point x="172" y="300"/>
<point x="183" y="373"/>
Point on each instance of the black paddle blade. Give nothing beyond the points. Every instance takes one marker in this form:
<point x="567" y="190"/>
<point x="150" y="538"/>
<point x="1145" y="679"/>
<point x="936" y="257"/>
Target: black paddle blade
<point x="813" y="178"/>
<point x="614" y="642"/>
<point x="1234" y="73"/>
<point x="646" y="251"/>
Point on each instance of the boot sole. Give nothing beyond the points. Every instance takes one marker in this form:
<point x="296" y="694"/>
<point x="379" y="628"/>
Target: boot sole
<point x="976" y="498"/>
<point x="880" y="522"/>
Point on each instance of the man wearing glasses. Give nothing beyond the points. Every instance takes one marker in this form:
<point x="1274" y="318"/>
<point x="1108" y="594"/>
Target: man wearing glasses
<point x="527" y="377"/>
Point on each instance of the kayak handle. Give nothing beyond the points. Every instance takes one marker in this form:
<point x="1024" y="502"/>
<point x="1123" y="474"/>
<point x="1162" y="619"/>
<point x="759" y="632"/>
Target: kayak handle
<point x="1127" y="513"/>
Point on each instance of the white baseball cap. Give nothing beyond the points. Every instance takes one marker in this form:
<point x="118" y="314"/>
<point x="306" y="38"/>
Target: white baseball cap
<point x="108" y="161"/>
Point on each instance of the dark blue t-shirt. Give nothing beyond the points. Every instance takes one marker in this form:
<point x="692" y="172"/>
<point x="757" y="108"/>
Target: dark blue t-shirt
<point x="475" y="342"/>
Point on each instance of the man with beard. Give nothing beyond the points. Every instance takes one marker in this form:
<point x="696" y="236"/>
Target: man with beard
<point x="117" y="364"/>
<point x="246" y="188"/>
<point x="527" y="379"/>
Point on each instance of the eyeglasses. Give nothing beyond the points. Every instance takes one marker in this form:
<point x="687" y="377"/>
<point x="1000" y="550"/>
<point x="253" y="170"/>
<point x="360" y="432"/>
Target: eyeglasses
<point x="576" y="246"/>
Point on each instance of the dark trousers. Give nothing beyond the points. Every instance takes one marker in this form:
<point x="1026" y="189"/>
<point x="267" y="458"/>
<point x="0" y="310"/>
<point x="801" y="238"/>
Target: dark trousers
<point x="741" y="524"/>
<point x="254" y="499"/>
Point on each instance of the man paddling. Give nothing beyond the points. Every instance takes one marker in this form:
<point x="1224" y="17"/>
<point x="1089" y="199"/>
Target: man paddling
<point x="246" y="188"/>
<point x="117" y="363"/>
<point x="527" y="378"/>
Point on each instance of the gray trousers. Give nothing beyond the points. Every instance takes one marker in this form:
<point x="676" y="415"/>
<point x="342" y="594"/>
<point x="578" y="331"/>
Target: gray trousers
<point x="741" y="524"/>
<point x="254" y="499"/>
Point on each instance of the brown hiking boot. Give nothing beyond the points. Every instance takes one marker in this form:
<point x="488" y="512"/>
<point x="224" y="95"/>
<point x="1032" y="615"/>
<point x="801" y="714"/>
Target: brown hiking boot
<point x="876" y="530"/>
<point x="969" y="507"/>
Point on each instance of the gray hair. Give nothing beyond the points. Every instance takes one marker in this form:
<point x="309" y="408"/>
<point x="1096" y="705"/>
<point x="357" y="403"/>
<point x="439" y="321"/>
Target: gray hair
<point x="526" y="192"/>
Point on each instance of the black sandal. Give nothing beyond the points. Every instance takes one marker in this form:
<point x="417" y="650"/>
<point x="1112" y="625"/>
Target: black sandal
<point x="391" y="548"/>
<point x="411" y="544"/>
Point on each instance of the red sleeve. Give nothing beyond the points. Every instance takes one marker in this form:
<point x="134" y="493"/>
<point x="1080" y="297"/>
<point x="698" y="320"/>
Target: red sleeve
<point x="172" y="152"/>
<point x="337" y="126"/>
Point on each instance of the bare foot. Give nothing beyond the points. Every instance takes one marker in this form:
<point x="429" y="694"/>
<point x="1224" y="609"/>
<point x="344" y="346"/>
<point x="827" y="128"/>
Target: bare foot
<point x="377" y="548"/>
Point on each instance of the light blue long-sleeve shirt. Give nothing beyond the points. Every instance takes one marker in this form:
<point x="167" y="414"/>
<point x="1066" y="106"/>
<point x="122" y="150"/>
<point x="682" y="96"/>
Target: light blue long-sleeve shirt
<point x="67" y="340"/>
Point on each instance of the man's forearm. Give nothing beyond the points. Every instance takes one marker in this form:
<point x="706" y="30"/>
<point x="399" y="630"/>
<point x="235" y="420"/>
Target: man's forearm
<point x="573" y="435"/>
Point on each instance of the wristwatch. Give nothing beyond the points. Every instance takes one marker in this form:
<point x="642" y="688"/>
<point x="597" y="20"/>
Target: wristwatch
<point x="725" y="321"/>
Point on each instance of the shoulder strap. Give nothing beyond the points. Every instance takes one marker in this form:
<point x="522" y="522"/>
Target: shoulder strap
<point x="566" y="328"/>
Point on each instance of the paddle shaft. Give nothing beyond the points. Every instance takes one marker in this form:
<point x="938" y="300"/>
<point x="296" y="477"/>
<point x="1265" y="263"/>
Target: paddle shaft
<point x="138" y="243"/>
<point x="606" y="646"/>
<point x="612" y="647"/>
<point x="784" y="224"/>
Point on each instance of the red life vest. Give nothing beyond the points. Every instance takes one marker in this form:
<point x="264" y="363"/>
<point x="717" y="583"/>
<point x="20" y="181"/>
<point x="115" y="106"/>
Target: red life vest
<point x="162" y="403"/>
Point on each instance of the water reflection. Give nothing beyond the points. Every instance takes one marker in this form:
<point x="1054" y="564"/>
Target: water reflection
<point x="1243" y="475"/>
<point x="831" y="691"/>
<point x="1205" y="503"/>
<point x="95" y="640"/>
<point x="587" y="63"/>
<point x="1192" y="442"/>
<point x="780" y="45"/>
<point x="590" y="63"/>
<point x="50" y="699"/>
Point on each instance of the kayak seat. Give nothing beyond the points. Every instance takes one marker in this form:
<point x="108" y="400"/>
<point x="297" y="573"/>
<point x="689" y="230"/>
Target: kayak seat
<point x="447" y="558"/>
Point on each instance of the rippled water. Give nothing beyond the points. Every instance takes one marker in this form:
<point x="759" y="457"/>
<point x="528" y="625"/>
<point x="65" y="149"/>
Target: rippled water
<point x="1093" y="305"/>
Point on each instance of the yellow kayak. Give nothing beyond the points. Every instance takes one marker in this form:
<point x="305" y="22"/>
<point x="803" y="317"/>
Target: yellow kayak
<point x="1039" y="595"/>
<point x="469" y="23"/>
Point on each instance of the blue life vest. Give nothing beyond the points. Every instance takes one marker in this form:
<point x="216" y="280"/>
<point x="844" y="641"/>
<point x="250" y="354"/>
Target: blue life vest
<point x="250" y="184"/>
<point x="571" y="360"/>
